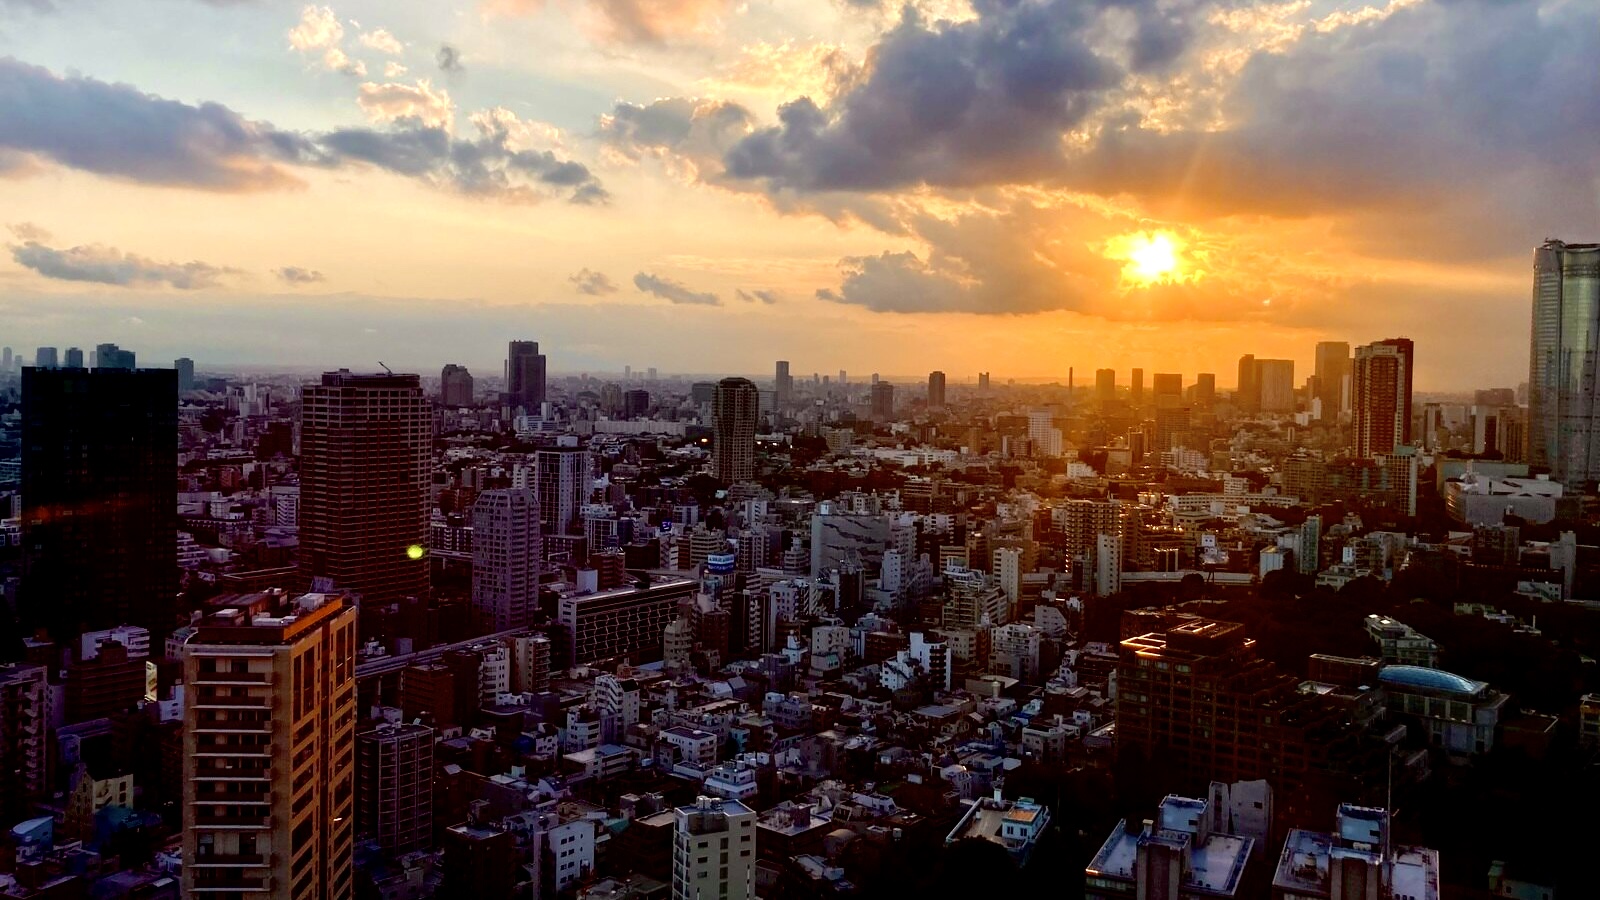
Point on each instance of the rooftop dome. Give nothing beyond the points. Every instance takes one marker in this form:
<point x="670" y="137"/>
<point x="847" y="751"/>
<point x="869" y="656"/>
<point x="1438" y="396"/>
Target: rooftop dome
<point x="1432" y="679"/>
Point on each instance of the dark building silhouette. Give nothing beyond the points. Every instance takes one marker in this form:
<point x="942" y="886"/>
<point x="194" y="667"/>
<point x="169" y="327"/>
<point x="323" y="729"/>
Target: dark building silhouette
<point x="99" y="499"/>
<point x="525" y="375"/>
<point x="734" y="410"/>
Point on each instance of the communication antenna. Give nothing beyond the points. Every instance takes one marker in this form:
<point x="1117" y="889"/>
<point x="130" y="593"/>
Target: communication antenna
<point x="385" y="367"/>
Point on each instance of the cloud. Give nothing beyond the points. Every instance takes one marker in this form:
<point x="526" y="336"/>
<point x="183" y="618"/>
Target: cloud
<point x="758" y="296"/>
<point x="393" y="69"/>
<point x="107" y="265"/>
<point x="635" y="21"/>
<point x="119" y="132"/>
<point x="27" y="231"/>
<point x="448" y="58"/>
<point x="319" y="31"/>
<point x="297" y="276"/>
<point x="690" y="135"/>
<point x="420" y="102"/>
<point x="593" y="283"/>
<point x="381" y="40"/>
<point x="673" y="291"/>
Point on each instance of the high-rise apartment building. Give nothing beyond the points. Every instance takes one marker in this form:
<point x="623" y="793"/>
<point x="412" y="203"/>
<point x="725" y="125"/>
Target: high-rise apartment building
<point x="1563" y="429"/>
<point x="1380" y="397"/>
<point x="394" y="786"/>
<point x="714" y="851"/>
<point x="783" y="383"/>
<point x="185" y="367"/>
<point x="627" y="621"/>
<point x="45" y="358"/>
<point x="525" y="376"/>
<point x="562" y="480"/>
<point x="268" y="749"/>
<point x="455" y="386"/>
<point x="734" y="410"/>
<point x="935" y="390"/>
<point x="1205" y="390"/>
<point x="882" y="401"/>
<point x="365" y="458"/>
<point x="1333" y="373"/>
<point x="1247" y="394"/>
<point x="99" y="489"/>
<point x="506" y="553"/>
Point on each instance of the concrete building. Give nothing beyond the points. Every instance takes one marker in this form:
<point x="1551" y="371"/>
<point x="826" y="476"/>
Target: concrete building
<point x="455" y="386"/>
<point x="394" y="787"/>
<point x="1479" y="499"/>
<point x="1186" y="853"/>
<point x="1400" y="644"/>
<point x="1589" y="721"/>
<point x="936" y="390"/>
<point x="24" y="736"/>
<point x="1333" y="374"/>
<point x="268" y="749"/>
<point x="366" y="456"/>
<point x="1457" y="715"/>
<point x="624" y="622"/>
<point x="882" y="400"/>
<point x="735" y="407"/>
<point x="1380" y="396"/>
<point x="1015" y="825"/>
<point x="525" y="376"/>
<point x="714" y="851"/>
<point x="506" y="554"/>
<point x="1358" y="860"/>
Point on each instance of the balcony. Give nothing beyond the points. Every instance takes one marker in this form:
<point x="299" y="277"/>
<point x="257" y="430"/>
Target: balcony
<point x="232" y="861"/>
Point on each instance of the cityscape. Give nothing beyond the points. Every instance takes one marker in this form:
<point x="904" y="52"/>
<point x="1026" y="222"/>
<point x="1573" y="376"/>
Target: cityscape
<point x="799" y="449"/>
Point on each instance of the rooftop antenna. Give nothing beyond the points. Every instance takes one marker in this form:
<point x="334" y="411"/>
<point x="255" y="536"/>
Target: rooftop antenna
<point x="385" y="367"/>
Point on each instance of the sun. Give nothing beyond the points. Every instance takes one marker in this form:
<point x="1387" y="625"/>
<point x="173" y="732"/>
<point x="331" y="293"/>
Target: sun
<point x="1149" y="257"/>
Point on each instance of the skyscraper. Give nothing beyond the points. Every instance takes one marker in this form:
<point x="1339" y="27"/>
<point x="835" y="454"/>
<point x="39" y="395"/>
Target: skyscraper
<point x="365" y="457"/>
<point x="1563" y="430"/>
<point x="882" y="401"/>
<point x="1136" y="388"/>
<point x="268" y="734"/>
<point x="1247" y="396"/>
<point x="562" y="481"/>
<point x="783" y="383"/>
<point x="455" y="386"/>
<point x="74" y="358"/>
<point x="1105" y="386"/>
<point x="185" y="367"/>
<point x="1333" y="367"/>
<point x="935" y="390"/>
<point x="45" y="358"/>
<point x="99" y="488"/>
<point x="525" y="376"/>
<point x="1274" y="381"/>
<point x="714" y="851"/>
<point x="505" y="557"/>
<point x="734" y="410"/>
<point x="1168" y="390"/>
<point x="110" y="356"/>
<point x="1205" y="390"/>
<point x="1380" y="397"/>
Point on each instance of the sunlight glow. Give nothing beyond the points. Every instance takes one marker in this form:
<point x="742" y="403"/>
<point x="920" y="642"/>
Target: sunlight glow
<point x="1150" y="257"/>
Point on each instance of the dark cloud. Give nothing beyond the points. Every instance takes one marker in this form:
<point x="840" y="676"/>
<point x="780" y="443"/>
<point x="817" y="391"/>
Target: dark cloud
<point x="108" y="265"/>
<point x="448" y="58"/>
<point x="27" y="231"/>
<point x="674" y="291"/>
<point x="758" y="296"/>
<point x="698" y="132"/>
<point x="593" y="283"/>
<point x="117" y="131"/>
<point x="295" y="275"/>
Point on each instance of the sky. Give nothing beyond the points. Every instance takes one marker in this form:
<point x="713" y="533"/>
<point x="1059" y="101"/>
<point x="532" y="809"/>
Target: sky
<point x="1012" y="186"/>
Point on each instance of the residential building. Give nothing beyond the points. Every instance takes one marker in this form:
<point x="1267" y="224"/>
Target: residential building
<point x="735" y="407"/>
<point x="882" y="400"/>
<point x="24" y="736"/>
<point x="1357" y="860"/>
<point x="1332" y="373"/>
<point x="1380" y="396"/>
<point x="394" y="786"/>
<point x="1015" y="825"/>
<point x="936" y="390"/>
<point x="1185" y="853"/>
<point x="714" y="851"/>
<point x="506" y="555"/>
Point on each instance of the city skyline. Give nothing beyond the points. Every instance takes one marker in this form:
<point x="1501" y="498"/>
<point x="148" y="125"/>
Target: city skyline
<point x="636" y="182"/>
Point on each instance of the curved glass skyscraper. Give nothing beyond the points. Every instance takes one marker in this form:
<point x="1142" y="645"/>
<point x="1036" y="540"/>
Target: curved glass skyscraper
<point x="1563" y="412"/>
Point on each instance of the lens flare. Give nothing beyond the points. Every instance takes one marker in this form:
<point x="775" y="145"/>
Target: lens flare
<point x="415" y="551"/>
<point x="1149" y="257"/>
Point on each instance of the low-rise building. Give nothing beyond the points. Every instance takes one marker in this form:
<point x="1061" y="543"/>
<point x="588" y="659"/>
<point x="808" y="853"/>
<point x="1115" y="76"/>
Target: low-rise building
<point x="1015" y="825"/>
<point x="1183" y="853"/>
<point x="1357" y="860"/>
<point x="1458" y="715"/>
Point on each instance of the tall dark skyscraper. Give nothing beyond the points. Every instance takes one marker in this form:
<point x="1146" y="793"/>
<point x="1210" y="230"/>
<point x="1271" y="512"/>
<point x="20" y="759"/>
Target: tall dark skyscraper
<point x="45" y="358"/>
<point x="365" y="457"/>
<point x="1380" y="396"/>
<point x="99" y="495"/>
<point x="1564" y="363"/>
<point x="1247" y="396"/>
<point x="1333" y="367"/>
<point x="882" y="401"/>
<point x="935" y="390"/>
<point x="783" y="383"/>
<point x="525" y="375"/>
<point x="455" y="386"/>
<point x="1136" y="388"/>
<point x="74" y="358"/>
<point x="110" y="356"/>
<point x="185" y="367"/>
<point x="734" y="410"/>
<point x="1105" y="387"/>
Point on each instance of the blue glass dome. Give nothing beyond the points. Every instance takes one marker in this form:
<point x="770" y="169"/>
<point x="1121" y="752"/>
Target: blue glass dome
<point x="1430" y="679"/>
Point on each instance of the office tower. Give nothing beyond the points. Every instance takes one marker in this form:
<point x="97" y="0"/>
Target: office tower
<point x="25" y="739"/>
<point x="635" y="403"/>
<point x="365" y="461"/>
<point x="1172" y="428"/>
<point x="1168" y="390"/>
<point x="1333" y="367"/>
<point x="5" y="361"/>
<point x="1204" y="707"/>
<point x="1247" y="396"/>
<point x="268" y="748"/>
<point x="983" y="382"/>
<point x="455" y="386"/>
<point x="1205" y="390"/>
<point x="1563" y="430"/>
<point x="652" y="372"/>
<point x="882" y="401"/>
<point x="1380" y="397"/>
<point x="734" y="410"/>
<point x="74" y="358"/>
<point x="102" y="445"/>
<point x="561" y="485"/>
<point x="1105" y="386"/>
<point x="505" y="557"/>
<point x="1274" y="381"/>
<point x="394" y="787"/>
<point x="185" y="367"/>
<point x="45" y="358"/>
<point x="714" y="851"/>
<point x="525" y="376"/>
<point x="783" y="384"/>
<point x="935" y="390"/>
<point x="110" y="356"/>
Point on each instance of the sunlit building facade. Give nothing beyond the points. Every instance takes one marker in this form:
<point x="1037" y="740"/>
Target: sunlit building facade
<point x="1563" y="415"/>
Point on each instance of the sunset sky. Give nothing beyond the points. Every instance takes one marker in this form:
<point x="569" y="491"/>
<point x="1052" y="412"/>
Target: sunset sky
<point x="708" y="185"/>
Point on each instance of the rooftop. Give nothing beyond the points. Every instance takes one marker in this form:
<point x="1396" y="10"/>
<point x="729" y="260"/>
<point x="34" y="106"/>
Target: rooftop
<point x="1215" y="866"/>
<point x="1430" y="679"/>
<point x="1305" y="864"/>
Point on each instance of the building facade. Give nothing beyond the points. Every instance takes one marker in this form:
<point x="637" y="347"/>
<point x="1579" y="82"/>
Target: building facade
<point x="1563" y="394"/>
<point x="734" y="409"/>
